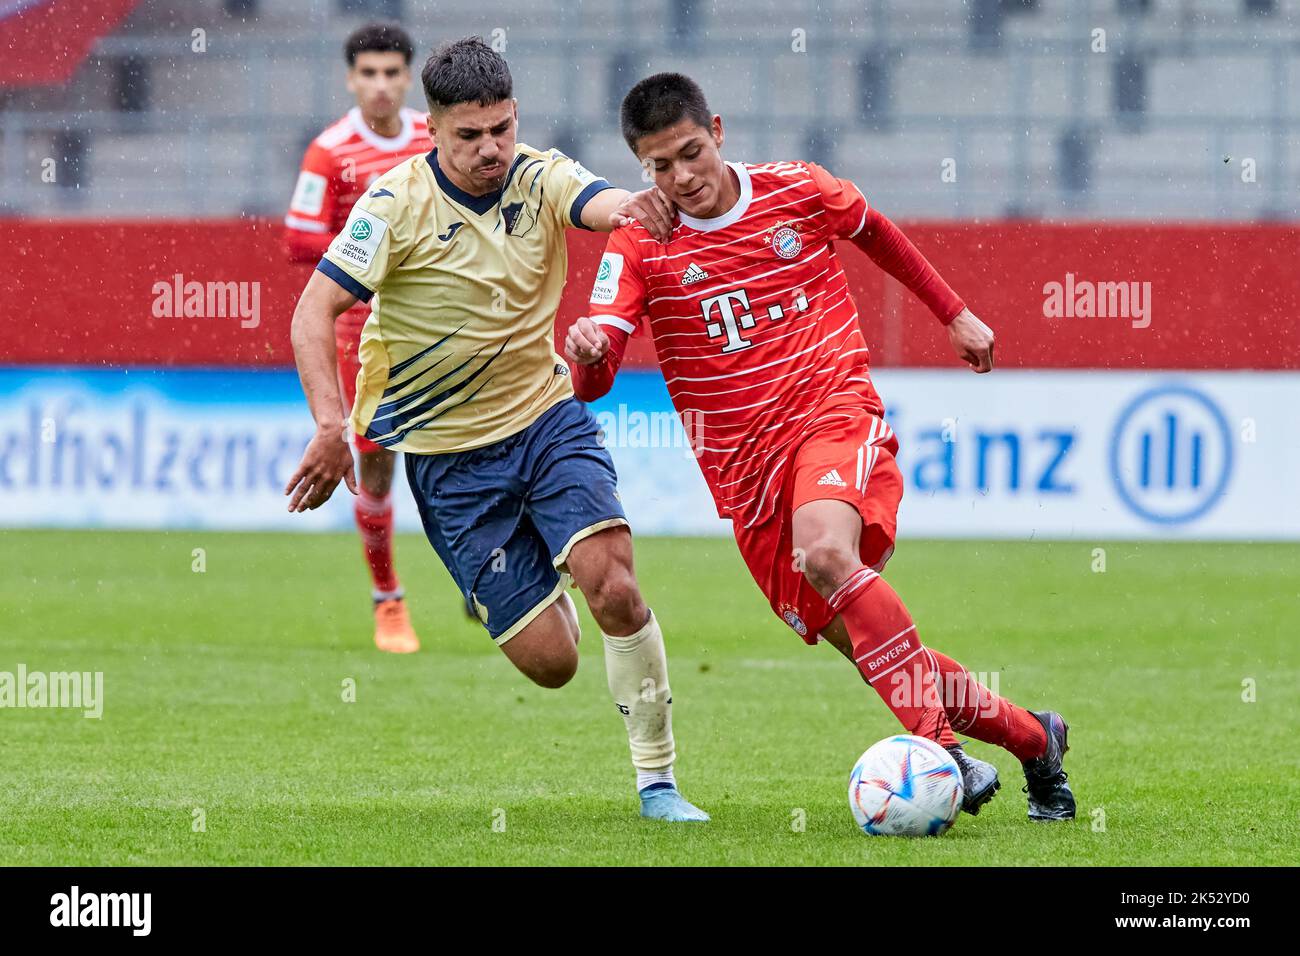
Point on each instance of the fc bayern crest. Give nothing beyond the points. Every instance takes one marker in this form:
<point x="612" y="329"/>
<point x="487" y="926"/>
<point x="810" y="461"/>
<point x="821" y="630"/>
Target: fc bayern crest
<point x="794" y="620"/>
<point x="786" y="243"/>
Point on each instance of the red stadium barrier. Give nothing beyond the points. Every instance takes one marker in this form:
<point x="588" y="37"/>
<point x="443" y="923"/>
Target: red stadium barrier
<point x="1220" y="296"/>
<point x="26" y="29"/>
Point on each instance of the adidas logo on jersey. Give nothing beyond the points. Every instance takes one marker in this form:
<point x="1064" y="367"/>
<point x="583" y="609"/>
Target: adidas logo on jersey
<point x="832" y="477"/>
<point x="693" y="273"/>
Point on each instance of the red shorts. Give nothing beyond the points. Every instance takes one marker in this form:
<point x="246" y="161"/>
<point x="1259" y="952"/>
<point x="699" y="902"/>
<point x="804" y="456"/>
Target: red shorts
<point x="846" y="459"/>
<point x="347" y="336"/>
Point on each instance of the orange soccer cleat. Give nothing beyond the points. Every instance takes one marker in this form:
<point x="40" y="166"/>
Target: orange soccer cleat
<point x="393" y="631"/>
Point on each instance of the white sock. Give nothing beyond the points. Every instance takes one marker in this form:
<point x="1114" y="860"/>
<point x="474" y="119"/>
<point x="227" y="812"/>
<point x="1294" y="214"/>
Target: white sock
<point x="645" y="779"/>
<point x="637" y="669"/>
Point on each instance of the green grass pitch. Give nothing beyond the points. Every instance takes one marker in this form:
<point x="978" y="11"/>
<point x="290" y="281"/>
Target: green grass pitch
<point x="224" y="706"/>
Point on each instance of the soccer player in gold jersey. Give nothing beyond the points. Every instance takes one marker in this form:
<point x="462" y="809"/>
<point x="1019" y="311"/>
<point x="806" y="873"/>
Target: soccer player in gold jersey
<point x="462" y="255"/>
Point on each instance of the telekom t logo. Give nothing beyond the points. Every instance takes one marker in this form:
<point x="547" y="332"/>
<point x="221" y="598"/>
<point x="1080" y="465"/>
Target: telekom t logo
<point x="729" y="323"/>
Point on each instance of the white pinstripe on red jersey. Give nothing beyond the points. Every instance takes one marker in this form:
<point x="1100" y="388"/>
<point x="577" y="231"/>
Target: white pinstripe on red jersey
<point x="763" y="342"/>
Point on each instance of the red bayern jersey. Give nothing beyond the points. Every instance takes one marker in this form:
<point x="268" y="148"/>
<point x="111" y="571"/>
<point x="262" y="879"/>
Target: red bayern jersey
<point x="756" y="332"/>
<point x="339" y="165"/>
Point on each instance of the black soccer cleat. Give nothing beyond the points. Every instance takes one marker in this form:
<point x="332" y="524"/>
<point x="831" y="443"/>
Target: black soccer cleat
<point x="1050" y="797"/>
<point x="979" y="780"/>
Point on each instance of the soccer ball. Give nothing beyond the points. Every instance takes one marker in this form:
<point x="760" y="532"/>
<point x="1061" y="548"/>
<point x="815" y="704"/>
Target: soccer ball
<point x="905" y="786"/>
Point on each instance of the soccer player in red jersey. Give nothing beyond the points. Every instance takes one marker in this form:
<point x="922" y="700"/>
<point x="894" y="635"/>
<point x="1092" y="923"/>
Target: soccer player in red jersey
<point x="339" y="166"/>
<point x="759" y="342"/>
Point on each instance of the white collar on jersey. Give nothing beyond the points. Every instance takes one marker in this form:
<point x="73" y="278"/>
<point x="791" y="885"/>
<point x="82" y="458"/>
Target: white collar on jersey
<point x="390" y="144"/>
<point x="731" y="215"/>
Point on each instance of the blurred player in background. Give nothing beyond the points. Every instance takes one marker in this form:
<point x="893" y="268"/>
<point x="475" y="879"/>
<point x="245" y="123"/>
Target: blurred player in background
<point x="464" y="253"/>
<point x="340" y="164"/>
<point x="760" y="345"/>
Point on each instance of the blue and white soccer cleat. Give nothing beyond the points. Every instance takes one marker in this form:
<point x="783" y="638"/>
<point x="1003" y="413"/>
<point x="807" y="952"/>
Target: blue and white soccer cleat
<point x="662" y="801"/>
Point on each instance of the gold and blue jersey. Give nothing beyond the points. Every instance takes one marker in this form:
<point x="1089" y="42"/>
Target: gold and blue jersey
<point x="459" y="349"/>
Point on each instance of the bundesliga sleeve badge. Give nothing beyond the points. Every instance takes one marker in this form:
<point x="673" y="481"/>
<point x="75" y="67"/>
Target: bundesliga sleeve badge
<point x="360" y="238"/>
<point x="605" y="291"/>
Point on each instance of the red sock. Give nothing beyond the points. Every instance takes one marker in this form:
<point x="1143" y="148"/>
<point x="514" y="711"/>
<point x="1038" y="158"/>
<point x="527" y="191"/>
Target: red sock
<point x="974" y="709"/>
<point x="375" y="523"/>
<point x="889" y="654"/>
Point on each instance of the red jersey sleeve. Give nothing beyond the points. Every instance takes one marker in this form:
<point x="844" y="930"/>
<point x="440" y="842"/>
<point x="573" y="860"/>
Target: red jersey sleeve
<point x="617" y="305"/>
<point x="849" y="217"/>
<point x="308" y="226"/>
<point x="846" y="207"/>
<point x="888" y="248"/>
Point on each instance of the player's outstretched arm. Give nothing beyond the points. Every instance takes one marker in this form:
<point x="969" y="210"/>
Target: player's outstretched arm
<point x="850" y="217"/>
<point x="611" y="208"/>
<point x="888" y="248"/>
<point x="328" y="457"/>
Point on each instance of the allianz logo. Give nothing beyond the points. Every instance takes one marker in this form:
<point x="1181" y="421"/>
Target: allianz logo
<point x="1169" y="456"/>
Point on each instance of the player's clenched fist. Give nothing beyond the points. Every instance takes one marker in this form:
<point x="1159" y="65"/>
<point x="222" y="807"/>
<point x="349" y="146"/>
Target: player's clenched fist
<point x="327" y="460"/>
<point x="586" y="342"/>
<point x="972" y="340"/>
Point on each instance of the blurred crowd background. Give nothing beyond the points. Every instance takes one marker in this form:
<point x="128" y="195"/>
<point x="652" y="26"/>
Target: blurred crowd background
<point x="1136" y="109"/>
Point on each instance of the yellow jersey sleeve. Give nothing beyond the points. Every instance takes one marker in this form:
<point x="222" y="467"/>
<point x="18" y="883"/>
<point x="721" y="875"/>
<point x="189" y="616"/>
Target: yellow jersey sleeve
<point x="376" y="238"/>
<point x="569" y="187"/>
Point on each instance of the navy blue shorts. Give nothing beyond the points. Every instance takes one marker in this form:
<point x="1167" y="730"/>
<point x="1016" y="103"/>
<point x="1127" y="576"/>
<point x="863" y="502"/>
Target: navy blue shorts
<point x="503" y="517"/>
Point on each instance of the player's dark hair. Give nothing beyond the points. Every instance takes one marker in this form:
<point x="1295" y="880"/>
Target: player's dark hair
<point x="378" y="38"/>
<point x="466" y="71"/>
<point x="658" y="102"/>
